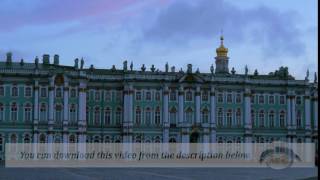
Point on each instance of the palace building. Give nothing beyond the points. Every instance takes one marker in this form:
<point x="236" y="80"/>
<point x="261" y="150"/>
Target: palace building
<point x="45" y="102"/>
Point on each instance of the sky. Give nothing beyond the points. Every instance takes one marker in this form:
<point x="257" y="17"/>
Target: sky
<point x="263" y="34"/>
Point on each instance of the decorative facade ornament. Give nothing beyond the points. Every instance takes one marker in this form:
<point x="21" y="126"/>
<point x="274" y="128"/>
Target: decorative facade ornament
<point x="189" y="69"/>
<point x="315" y="77"/>
<point x="21" y="62"/>
<point x="233" y="71"/>
<point x="246" y="70"/>
<point x="113" y="68"/>
<point x="256" y="72"/>
<point x="307" y="76"/>
<point x="212" y="69"/>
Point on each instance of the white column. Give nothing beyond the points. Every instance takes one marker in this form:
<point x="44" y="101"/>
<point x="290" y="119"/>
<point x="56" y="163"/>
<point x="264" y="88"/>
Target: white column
<point x="315" y="112"/>
<point x="294" y="113"/>
<point x="180" y="104"/>
<point x="66" y="105"/>
<point x="198" y="117"/>
<point x="212" y="115"/>
<point x="289" y="124"/>
<point x="35" y="137"/>
<point x="51" y="104"/>
<point x="50" y="141"/>
<point x="307" y="112"/>
<point x="247" y="109"/>
<point x="165" y="117"/>
<point x="82" y="104"/>
<point x="36" y="104"/>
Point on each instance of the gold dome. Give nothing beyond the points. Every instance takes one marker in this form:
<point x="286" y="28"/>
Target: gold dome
<point x="222" y="51"/>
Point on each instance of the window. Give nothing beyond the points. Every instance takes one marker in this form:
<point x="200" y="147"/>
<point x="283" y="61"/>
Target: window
<point x="14" y="91"/>
<point x="26" y="138"/>
<point x="73" y="93"/>
<point x="118" y="116"/>
<point x="13" y="138"/>
<point x="138" y="96"/>
<point x="72" y="139"/>
<point x="282" y="119"/>
<point x="205" y="115"/>
<point x="148" y="96"/>
<point x="58" y="93"/>
<point x="238" y="98"/>
<point x="157" y="116"/>
<point x="27" y="113"/>
<point x="138" y="115"/>
<point x="148" y="116"/>
<point x="27" y="92"/>
<point x="189" y="115"/>
<point x="188" y="96"/>
<point x="58" y="113"/>
<point x="220" y="116"/>
<point x="97" y="116"/>
<point x="1" y="143"/>
<point x="173" y="116"/>
<point x="253" y="117"/>
<point x="282" y="100"/>
<point x="238" y="117"/>
<point x="43" y="112"/>
<point x="87" y="114"/>
<point x="298" y="100"/>
<point x="229" y="98"/>
<point x="43" y="92"/>
<point x="229" y="118"/>
<point x="1" y="91"/>
<point x="271" y="118"/>
<point x="14" y="112"/>
<point x="271" y="99"/>
<point x="107" y="116"/>
<point x="107" y="96"/>
<point x="261" y="99"/>
<point x="253" y="99"/>
<point x="1" y="112"/>
<point x="73" y="114"/>
<point x="97" y="95"/>
<point x="157" y="96"/>
<point x="173" y="96"/>
<point x="119" y="96"/>
<point x="220" y="98"/>
<point x="298" y="118"/>
<point x="261" y="118"/>
<point x="205" y="96"/>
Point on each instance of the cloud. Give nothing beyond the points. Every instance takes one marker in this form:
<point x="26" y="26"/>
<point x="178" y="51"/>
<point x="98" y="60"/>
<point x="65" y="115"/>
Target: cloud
<point x="183" y="21"/>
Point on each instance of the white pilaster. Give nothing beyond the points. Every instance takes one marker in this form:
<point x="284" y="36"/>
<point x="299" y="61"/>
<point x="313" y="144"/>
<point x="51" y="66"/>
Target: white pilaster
<point x="66" y="104"/>
<point x="315" y="112"/>
<point x="212" y="115"/>
<point x="289" y="124"/>
<point x="197" y="94"/>
<point x="294" y="113"/>
<point x="165" y="116"/>
<point x="180" y="104"/>
<point x="247" y="109"/>
<point x="36" y="104"/>
<point x="51" y="103"/>
<point x="307" y="111"/>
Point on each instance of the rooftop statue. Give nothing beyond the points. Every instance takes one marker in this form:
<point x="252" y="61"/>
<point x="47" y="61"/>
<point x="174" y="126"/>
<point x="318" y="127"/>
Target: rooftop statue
<point x="173" y="69"/>
<point x="143" y="68"/>
<point x="167" y="67"/>
<point x="197" y="71"/>
<point x="307" y="76"/>
<point x="21" y="62"/>
<point x="233" y="71"/>
<point x="152" y="68"/>
<point x="113" y="68"/>
<point x="82" y="63"/>
<point x="246" y="70"/>
<point x="125" y="65"/>
<point x="131" y="66"/>
<point x="189" y="70"/>
<point x="76" y="61"/>
<point x="212" y="69"/>
<point x="256" y="72"/>
<point x="315" y="77"/>
<point x="36" y="61"/>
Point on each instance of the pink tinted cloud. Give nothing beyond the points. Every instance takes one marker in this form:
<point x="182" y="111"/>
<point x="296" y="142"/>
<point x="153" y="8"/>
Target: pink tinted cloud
<point x="53" y="11"/>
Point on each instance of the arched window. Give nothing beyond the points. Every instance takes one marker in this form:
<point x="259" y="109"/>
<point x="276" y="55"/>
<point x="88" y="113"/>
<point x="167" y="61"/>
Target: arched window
<point x="26" y="139"/>
<point x="188" y="96"/>
<point x="173" y="116"/>
<point x="13" y="138"/>
<point x="96" y="116"/>
<point x="220" y="117"/>
<point x="1" y="112"/>
<point x="73" y="93"/>
<point x="96" y="139"/>
<point x="253" y="118"/>
<point x="118" y="116"/>
<point x="42" y="138"/>
<point x="261" y="118"/>
<point x="238" y="117"/>
<point x="173" y="96"/>
<point x="271" y="118"/>
<point x="57" y="139"/>
<point x="87" y="114"/>
<point x="148" y="116"/>
<point x="138" y="115"/>
<point x="205" y="115"/>
<point x="72" y="139"/>
<point x="58" y="113"/>
<point x="14" y="91"/>
<point x="148" y="96"/>
<point x="27" y="113"/>
<point x="282" y="118"/>
<point x="299" y="119"/>
<point x="73" y="114"/>
<point x="157" y="139"/>
<point x="172" y="140"/>
<point x="157" y="116"/>
<point x="58" y="92"/>
<point x="14" y="112"/>
<point x="107" y="139"/>
<point x="107" y="116"/>
<point x="138" y="139"/>
<point x="229" y="118"/>
<point x="43" y="112"/>
<point x="189" y="115"/>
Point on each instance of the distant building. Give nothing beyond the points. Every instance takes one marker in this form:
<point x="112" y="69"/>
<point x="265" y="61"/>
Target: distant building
<point x="42" y="102"/>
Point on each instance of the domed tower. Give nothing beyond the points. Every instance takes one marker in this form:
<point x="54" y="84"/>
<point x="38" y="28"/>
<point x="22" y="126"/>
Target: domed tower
<point x="222" y="59"/>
